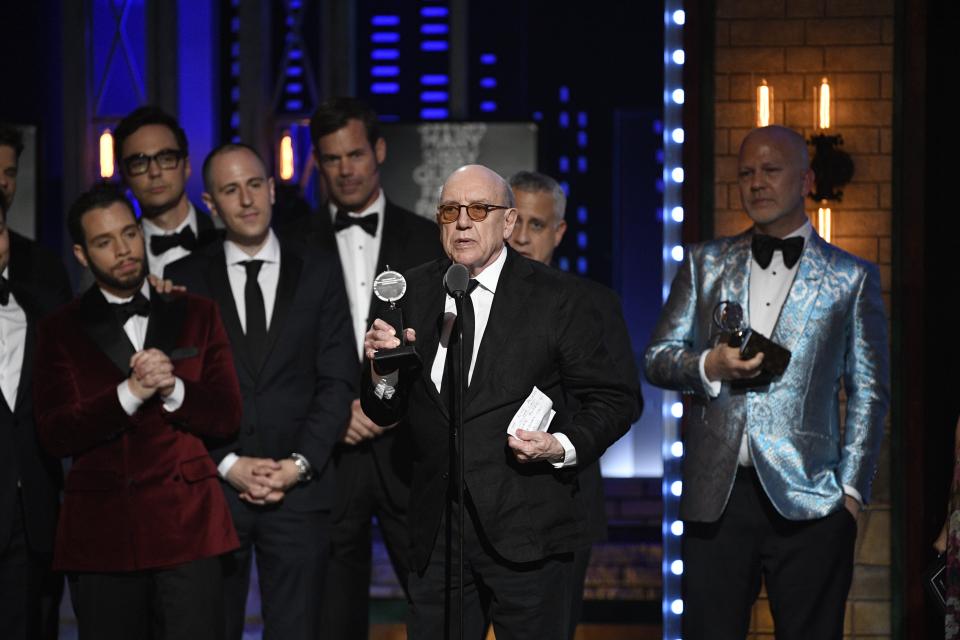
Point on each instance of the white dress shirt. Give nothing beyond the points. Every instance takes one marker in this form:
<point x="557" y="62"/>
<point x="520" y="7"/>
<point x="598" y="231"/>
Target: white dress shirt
<point x="482" y="298"/>
<point x="136" y="330"/>
<point x="13" y="337"/>
<point x="268" y="278"/>
<point x="769" y="289"/>
<point x="158" y="263"/>
<point x="359" y="252"/>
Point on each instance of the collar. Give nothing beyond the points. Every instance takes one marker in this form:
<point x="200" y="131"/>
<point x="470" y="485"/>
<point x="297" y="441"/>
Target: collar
<point x="150" y="229"/>
<point x="269" y="252"/>
<point x="490" y="276"/>
<point x="113" y="299"/>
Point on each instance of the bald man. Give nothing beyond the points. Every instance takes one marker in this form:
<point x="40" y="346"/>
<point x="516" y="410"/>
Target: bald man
<point x="523" y="515"/>
<point x="772" y="483"/>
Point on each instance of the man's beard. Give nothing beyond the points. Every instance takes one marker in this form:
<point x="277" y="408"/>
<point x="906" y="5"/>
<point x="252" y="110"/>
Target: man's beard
<point x="152" y="212"/>
<point x="130" y="283"/>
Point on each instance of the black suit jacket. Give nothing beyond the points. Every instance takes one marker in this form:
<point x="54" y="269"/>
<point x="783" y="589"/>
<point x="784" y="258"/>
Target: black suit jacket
<point x="298" y="398"/>
<point x="407" y="240"/>
<point x="539" y="334"/>
<point x="21" y="458"/>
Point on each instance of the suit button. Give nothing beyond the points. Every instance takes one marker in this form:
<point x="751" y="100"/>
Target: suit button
<point x="444" y="475"/>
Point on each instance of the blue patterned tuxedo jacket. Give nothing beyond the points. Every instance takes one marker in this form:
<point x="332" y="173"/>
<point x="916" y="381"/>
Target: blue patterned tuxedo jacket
<point x="834" y="324"/>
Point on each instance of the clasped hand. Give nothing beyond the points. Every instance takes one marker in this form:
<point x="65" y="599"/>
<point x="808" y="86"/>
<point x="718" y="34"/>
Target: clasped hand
<point x="262" y="481"/>
<point x="724" y="362"/>
<point x="151" y="372"/>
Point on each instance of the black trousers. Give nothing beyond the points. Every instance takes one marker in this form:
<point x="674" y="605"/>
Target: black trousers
<point x="528" y="600"/>
<point x="178" y="603"/>
<point x="27" y="586"/>
<point x="361" y="495"/>
<point x="291" y="551"/>
<point x="807" y="567"/>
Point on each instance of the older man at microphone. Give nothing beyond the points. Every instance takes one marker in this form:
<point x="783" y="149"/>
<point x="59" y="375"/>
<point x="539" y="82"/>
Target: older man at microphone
<point x="527" y="342"/>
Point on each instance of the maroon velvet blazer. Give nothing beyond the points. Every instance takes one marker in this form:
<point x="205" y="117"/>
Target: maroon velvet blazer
<point x="142" y="491"/>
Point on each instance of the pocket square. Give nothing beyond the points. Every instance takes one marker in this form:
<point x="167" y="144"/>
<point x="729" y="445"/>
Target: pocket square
<point x="182" y="353"/>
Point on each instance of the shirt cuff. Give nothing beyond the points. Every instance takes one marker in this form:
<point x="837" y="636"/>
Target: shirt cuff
<point x="712" y="387"/>
<point x="569" y="452"/>
<point x="853" y="493"/>
<point x="128" y="401"/>
<point x="227" y="463"/>
<point x="175" y="400"/>
<point x="385" y="386"/>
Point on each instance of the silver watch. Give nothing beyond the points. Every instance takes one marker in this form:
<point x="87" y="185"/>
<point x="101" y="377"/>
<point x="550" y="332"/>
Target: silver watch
<point x="304" y="471"/>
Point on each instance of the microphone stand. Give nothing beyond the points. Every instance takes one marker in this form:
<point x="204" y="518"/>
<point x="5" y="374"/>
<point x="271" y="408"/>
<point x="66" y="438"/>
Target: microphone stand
<point x="461" y="380"/>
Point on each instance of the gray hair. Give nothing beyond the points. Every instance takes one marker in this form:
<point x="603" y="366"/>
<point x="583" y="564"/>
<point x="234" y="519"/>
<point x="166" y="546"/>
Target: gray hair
<point x="535" y="182"/>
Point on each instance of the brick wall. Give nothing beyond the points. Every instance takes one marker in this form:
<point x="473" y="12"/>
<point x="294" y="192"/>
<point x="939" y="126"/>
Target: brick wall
<point x="792" y="44"/>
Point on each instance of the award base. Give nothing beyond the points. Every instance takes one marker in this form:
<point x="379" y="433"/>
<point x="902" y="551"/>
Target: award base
<point x="775" y="357"/>
<point x="389" y="360"/>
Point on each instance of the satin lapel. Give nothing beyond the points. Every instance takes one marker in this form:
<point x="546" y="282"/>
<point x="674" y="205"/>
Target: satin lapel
<point x="167" y="315"/>
<point x="101" y="324"/>
<point x="735" y="281"/>
<point x="506" y="314"/>
<point x="290" y="267"/>
<point x="220" y="290"/>
<point x="430" y="301"/>
<point x="814" y="262"/>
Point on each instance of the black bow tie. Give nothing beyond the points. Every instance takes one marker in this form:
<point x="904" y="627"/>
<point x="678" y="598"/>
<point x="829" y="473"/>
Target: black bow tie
<point x="764" y="246"/>
<point x="343" y="220"/>
<point x="4" y="291"/>
<point x="138" y="306"/>
<point x="183" y="238"/>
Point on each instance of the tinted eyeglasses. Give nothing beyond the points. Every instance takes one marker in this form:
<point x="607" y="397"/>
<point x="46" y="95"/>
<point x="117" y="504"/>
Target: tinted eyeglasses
<point x="477" y="211"/>
<point x="166" y="159"/>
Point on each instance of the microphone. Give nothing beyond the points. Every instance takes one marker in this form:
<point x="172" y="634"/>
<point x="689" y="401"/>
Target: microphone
<point x="456" y="280"/>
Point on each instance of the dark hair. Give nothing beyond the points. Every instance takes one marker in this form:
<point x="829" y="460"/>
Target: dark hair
<point x="335" y="113"/>
<point x="536" y="182"/>
<point x="224" y="148"/>
<point x="10" y="136"/>
<point x="141" y="117"/>
<point x="100" y="196"/>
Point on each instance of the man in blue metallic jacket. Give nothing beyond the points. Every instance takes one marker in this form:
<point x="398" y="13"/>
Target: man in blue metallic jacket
<point x="772" y="484"/>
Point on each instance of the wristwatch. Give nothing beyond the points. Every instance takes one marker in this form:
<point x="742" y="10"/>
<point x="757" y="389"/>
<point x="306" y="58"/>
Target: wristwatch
<point x="304" y="470"/>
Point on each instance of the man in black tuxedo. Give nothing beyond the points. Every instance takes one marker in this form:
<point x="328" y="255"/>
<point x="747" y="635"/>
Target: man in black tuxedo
<point x="523" y="517"/>
<point x="369" y="233"/>
<point x="30" y="480"/>
<point x="30" y="262"/>
<point x="540" y="226"/>
<point x="153" y="156"/>
<point x="286" y="315"/>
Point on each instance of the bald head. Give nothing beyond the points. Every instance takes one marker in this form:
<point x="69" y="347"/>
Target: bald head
<point x="476" y="243"/>
<point x="791" y="143"/>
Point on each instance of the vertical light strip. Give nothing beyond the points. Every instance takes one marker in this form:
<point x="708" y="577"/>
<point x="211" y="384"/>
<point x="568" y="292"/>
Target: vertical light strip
<point x="434" y="51"/>
<point x="673" y="254"/>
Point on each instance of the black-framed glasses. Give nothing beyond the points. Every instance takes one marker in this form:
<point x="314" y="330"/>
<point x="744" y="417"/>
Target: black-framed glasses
<point x="166" y="159"/>
<point x="477" y="211"/>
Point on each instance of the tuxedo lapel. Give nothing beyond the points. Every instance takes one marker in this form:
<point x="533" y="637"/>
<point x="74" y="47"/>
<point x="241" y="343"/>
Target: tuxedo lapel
<point x="430" y="301"/>
<point x="167" y="315"/>
<point x="290" y="267"/>
<point x="506" y="314"/>
<point x="814" y="262"/>
<point x="30" y="309"/>
<point x="220" y="290"/>
<point x="101" y="324"/>
<point x="735" y="281"/>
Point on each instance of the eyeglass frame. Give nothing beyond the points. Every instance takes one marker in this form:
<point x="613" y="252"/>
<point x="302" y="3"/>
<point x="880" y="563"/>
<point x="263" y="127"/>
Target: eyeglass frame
<point x="177" y="153"/>
<point x="487" y="208"/>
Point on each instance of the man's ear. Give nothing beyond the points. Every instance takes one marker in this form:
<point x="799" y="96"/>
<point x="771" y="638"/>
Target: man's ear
<point x="80" y="255"/>
<point x="380" y="150"/>
<point x="209" y="202"/>
<point x="558" y="233"/>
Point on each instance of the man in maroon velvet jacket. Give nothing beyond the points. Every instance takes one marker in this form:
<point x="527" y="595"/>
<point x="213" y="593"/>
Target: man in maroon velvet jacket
<point x="128" y="381"/>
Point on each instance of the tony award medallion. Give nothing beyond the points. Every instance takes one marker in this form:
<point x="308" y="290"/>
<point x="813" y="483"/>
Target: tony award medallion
<point x="389" y="287"/>
<point x="734" y="331"/>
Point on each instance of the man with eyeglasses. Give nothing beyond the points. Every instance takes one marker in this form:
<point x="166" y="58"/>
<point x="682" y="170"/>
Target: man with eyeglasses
<point x="541" y="202"/>
<point x="525" y="326"/>
<point x="369" y="233"/>
<point x="151" y="150"/>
